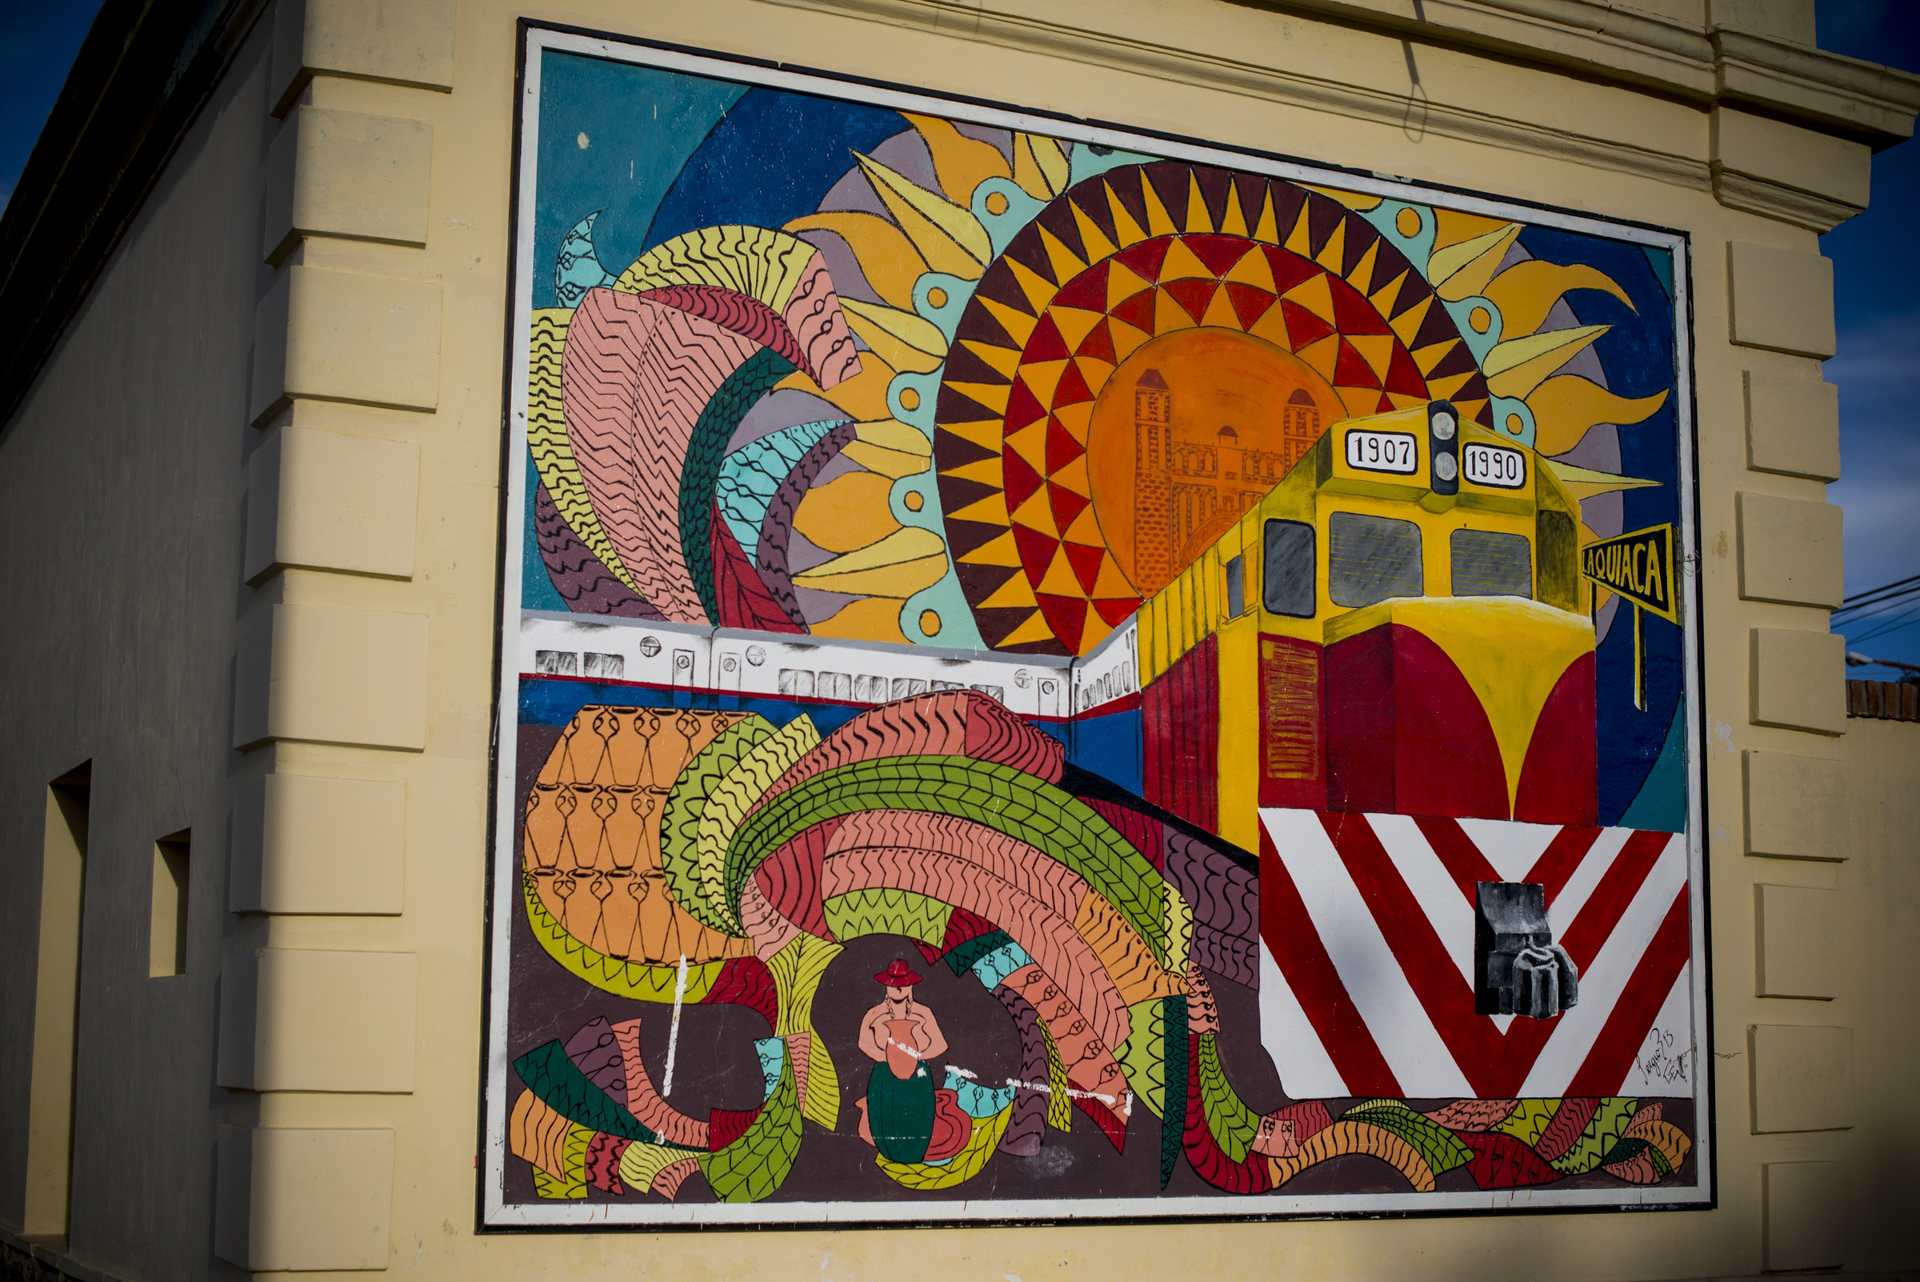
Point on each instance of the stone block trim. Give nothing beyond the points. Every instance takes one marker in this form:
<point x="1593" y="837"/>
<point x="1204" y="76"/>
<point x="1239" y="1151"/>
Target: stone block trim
<point x="405" y="42"/>
<point x="1798" y="680"/>
<point x="328" y="501"/>
<point x="1806" y="1214"/>
<point x="303" y="1199"/>
<point x="1793" y="426"/>
<point x="1781" y="300"/>
<point x="346" y="173"/>
<point x="1790" y="551"/>
<point x="346" y="336"/>
<point x="1802" y="1078"/>
<point x="317" y="1020"/>
<point x="1796" y="806"/>
<point x="1797" y="941"/>
<point x="309" y="844"/>
<point x="331" y="676"/>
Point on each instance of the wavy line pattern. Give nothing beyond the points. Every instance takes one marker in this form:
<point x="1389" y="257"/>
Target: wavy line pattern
<point x="636" y="377"/>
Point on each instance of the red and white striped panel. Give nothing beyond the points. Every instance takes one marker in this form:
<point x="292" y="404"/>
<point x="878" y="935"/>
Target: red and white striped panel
<point x="1366" y="984"/>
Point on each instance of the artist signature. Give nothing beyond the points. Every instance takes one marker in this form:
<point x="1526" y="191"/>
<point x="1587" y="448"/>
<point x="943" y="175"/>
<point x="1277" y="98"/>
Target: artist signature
<point x="1660" y="1062"/>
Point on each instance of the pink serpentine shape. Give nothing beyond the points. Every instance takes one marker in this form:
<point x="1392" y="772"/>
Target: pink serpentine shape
<point x="636" y="374"/>
<point x="635" y="377"/>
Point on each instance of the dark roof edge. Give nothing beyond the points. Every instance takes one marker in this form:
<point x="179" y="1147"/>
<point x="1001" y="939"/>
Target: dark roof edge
<point x="142" y="75"/>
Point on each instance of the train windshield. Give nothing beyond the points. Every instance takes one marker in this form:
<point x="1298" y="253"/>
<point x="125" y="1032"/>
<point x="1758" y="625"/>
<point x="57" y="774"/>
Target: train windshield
<point x="1371" y="558"/>
<point x="1486" y="563"/>
<point x="1288" y="587"/>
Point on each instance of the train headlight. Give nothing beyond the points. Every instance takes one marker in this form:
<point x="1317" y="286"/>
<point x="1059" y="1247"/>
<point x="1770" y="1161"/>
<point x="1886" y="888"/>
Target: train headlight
<point x="1443" y="448"/>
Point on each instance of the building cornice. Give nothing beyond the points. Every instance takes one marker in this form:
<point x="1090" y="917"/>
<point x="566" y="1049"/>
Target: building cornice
<point x="138" y="83"/>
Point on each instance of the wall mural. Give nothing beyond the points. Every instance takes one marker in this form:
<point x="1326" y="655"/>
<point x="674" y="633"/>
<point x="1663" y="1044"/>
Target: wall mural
<point x="1051" y="672"/>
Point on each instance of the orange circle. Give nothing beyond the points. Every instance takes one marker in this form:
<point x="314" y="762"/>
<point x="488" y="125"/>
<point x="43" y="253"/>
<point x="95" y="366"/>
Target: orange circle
<point x="909" y="399"/>
<point x="1221" y="395"/>
<point x="936" y="298"/>
<point x="996" y="202"/>
<point x="929" y="623"/>
<point x="1481" y="319"/>
<point x="1516" y="424"/>
<point x="914" y="501"/>
<point x="1407" y="222"/>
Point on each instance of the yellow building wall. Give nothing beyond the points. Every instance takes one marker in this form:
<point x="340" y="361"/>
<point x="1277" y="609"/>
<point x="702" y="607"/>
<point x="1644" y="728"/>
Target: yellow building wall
<point x="384" y="327"/>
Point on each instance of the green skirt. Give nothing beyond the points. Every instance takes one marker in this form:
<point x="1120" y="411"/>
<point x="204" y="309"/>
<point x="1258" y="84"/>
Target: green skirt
<point x="900" y="1114"/>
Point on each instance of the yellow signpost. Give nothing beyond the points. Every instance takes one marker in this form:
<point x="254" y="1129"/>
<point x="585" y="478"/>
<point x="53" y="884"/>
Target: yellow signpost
<point x="1639" y="567"/>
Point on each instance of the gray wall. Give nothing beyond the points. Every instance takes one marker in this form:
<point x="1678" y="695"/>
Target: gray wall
<point x="121" y="512"/>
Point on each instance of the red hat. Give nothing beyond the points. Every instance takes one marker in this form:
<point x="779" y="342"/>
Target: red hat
<point x="896" y="975"/>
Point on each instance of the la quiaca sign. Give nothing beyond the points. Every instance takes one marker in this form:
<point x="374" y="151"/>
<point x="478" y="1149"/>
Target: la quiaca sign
<point x="1638" y="566"/>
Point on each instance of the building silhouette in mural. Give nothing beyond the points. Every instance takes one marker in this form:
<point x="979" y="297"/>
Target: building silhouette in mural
<point x="1189" y="485"/>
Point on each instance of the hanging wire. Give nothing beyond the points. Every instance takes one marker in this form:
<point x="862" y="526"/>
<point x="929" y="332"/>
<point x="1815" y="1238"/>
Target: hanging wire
<point x="1876" y="596"/>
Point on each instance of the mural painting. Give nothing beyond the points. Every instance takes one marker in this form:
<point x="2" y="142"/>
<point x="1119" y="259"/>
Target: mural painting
<point x="1052" y="672"/>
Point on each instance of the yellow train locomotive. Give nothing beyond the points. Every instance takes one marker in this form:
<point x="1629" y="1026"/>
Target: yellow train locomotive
<point x="1399" y="625"/>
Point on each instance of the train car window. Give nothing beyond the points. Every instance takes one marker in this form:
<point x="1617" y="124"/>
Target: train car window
<point x="1486" y="563"/>
<point x="1559" y="581"/>
<point x="1288" y="556"/>
<point x="1236" y="589"/>
<point x="1371" y="558"/>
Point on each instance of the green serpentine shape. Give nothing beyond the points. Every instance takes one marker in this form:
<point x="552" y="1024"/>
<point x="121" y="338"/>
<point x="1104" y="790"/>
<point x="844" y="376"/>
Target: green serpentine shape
<point x="998" y="796"/>
<point x="700" y="474"/>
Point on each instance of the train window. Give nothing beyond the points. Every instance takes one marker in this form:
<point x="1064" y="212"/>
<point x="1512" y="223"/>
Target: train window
<point x="1371" y="558"/>
<point x="1489" y="564"/>
<point x="1288" y="587"/>
<point x="1559" y="581"/>
<point x="1236" y="589"/>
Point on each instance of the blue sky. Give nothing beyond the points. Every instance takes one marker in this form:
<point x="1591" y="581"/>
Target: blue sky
<point x="1876" y="273"/>
<point x="1876" y="286"/>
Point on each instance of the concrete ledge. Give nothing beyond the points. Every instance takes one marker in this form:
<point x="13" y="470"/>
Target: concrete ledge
<point x="1790" y="551"/>
<point x="1799" y="680"/>
<point x="304" y="1200"/>
<point x="1796" y="806"/>
<point x="1770" y="167"/>
<point x="1793" y="426"/>
<point x="1802" y="1078"/>
<point x="327" y="501"/>
<point x="344" y="173"/>
<point x="331" y="676"/>
<point x="405" y="43"/>
<point x="48" y="1262"/>
<point x="308" y="844"/>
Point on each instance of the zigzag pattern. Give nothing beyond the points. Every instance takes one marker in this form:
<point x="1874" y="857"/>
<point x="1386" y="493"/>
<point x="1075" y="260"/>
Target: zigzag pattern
<point x="1225" y="900"/>
<point x="685" y="808"/>
<point x="668" y="1125"/>
<point x="581" y="578"/>
<point x="547" y="440"/>
<point x="1081" y="1038"/>
<point x="765" y="265"/>
<point x="1003" y="858"/>
<point x="1023" y="807"/>
<point x="636" y="377"/>
<point x="884" y="910"/>
<point x="751" y="475"/>
<point x="1027" y="1122"/>
<point x="776" y="527"/>
<point x="730" y="797"/>
<point x="748" y="317"/>
<point x="1047" y="936"/>
<point x="700" y="467"/>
